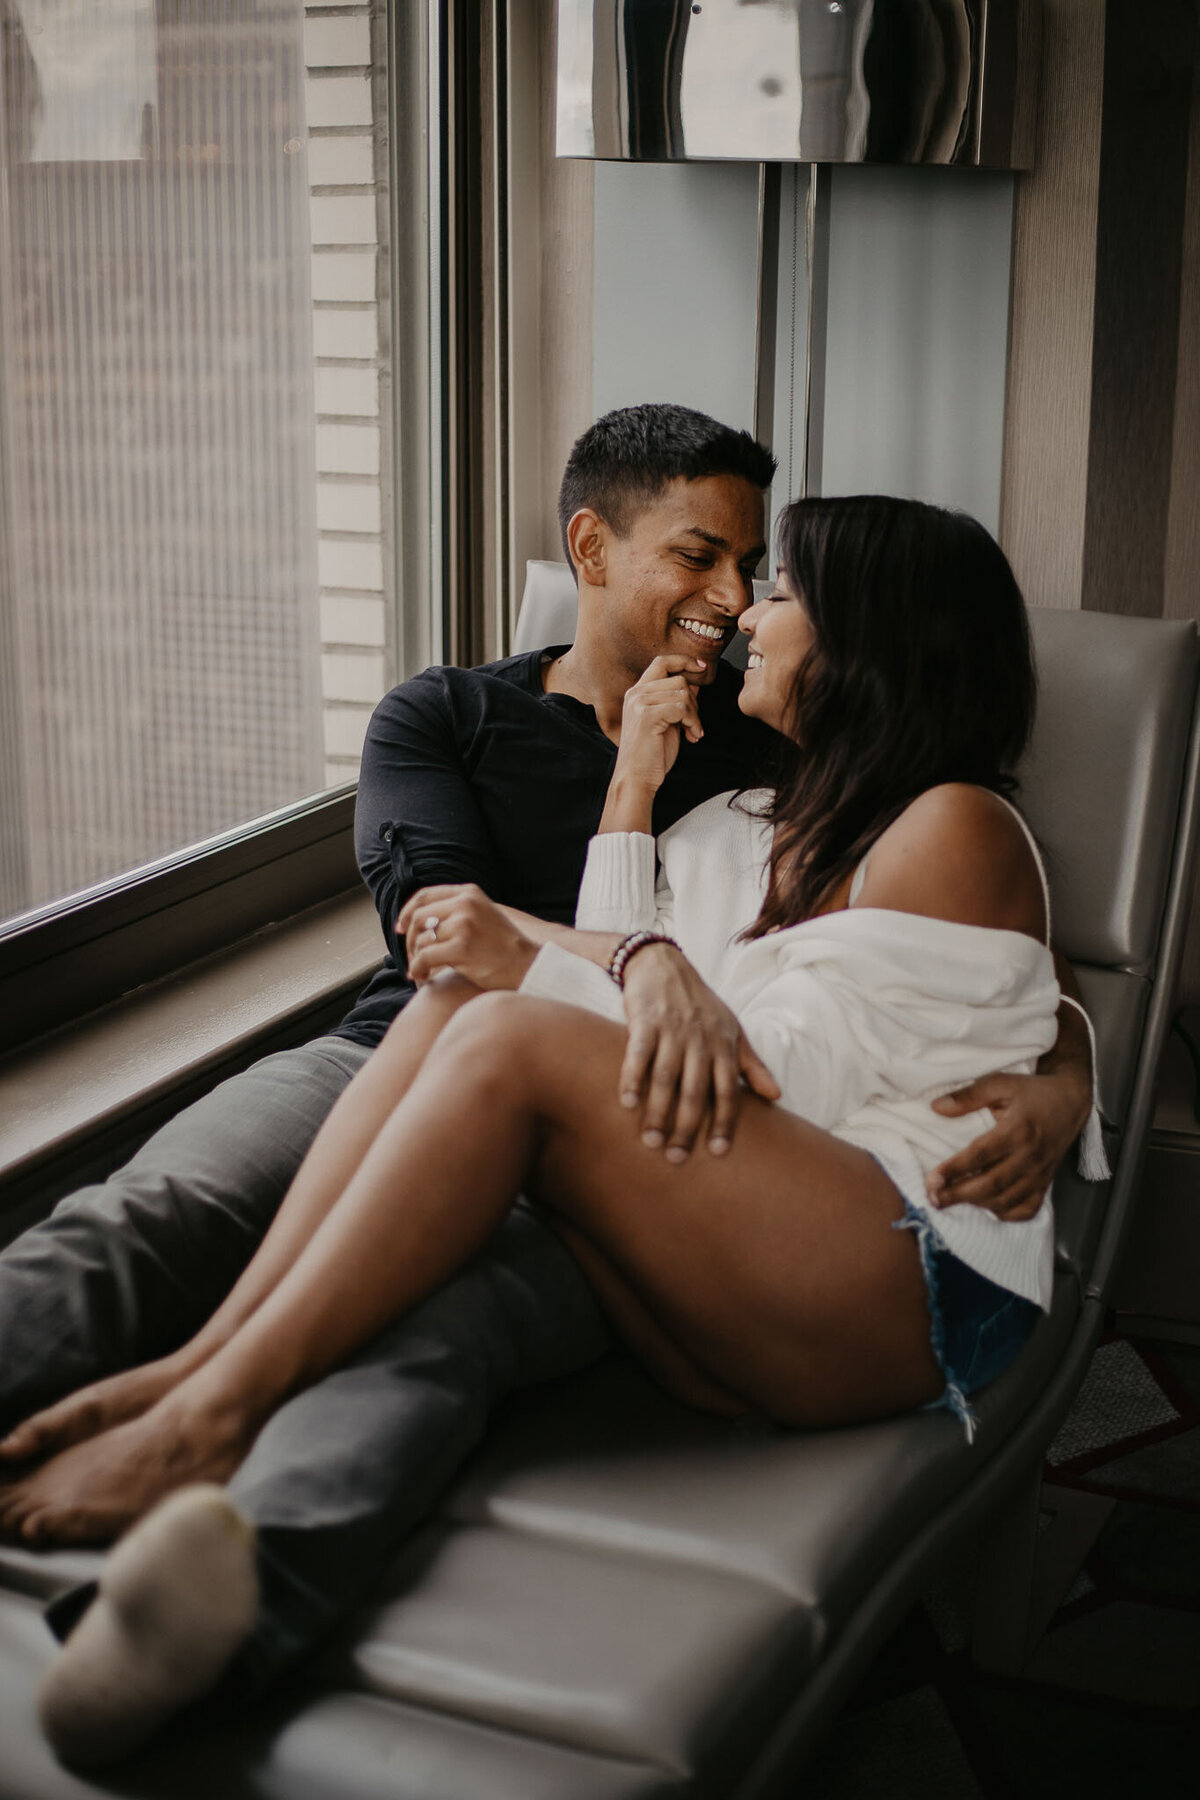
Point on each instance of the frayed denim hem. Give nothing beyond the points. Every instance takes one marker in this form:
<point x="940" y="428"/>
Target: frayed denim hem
<point x="929" y="1242"/>
<point x="976" y="1327"/>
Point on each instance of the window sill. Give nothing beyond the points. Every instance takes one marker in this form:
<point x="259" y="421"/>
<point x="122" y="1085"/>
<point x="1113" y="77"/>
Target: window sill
<point x="98" y="1078"/>
<point x="90" y="951"/>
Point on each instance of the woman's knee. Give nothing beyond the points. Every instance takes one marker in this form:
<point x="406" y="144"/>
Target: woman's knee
<point x="497" y="1030"/>
<point x="436" y="1004"/>
<point x="517" y="1048"/>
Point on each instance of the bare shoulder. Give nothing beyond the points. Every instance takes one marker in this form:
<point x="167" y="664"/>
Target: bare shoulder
<point x="958" y="853"/>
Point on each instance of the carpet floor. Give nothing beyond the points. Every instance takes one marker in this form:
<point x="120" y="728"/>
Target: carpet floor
<point x="1108" y="1707"/>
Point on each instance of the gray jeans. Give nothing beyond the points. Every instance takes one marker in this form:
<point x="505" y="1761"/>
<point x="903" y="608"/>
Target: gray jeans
<point x="125" y="1271"/>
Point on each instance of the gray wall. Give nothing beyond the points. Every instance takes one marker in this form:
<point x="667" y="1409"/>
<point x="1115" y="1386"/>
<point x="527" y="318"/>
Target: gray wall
<point x="919" y="268"/>
<point x="675" y="281"/>
<point x="917" y="335"/>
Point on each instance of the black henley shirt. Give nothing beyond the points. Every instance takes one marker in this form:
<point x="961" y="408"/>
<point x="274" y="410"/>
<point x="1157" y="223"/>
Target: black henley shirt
<point x="480" y="775"/>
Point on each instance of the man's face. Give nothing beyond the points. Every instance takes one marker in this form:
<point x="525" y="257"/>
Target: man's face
<point x="678" y="580"/>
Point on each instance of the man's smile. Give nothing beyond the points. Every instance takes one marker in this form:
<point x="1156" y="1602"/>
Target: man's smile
<point x="705" y="630"/>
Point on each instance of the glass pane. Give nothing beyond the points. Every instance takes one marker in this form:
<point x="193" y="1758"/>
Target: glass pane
<point x="193" y="480"/>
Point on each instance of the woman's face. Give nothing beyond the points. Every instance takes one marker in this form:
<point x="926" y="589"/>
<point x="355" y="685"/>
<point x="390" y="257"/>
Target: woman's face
<point x="781" y="636"/>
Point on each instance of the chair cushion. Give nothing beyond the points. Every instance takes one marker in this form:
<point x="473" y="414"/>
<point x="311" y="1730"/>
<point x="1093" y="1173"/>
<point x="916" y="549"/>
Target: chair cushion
<point x="620" y="1591"/>
<point x="621" y="1595"/>
<point x="306" y="1745"/>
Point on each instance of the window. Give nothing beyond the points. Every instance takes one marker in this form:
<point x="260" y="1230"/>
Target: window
<point x="198" y="603"/>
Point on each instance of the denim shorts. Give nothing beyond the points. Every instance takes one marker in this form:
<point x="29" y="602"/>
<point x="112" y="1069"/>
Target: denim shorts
<point x="976" y="1327"/>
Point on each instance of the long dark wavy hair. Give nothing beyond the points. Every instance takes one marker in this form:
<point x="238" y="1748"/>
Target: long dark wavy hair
<point x="920" y="673"/>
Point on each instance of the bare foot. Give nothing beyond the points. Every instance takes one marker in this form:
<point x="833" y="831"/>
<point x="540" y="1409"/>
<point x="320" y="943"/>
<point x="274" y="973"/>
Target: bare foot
<point x="90" y="1411"/>
<point x="90" y="1493"/>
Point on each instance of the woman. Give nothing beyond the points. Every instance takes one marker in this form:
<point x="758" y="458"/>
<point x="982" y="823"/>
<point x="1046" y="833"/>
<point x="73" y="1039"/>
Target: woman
<point x="879" y="925"/>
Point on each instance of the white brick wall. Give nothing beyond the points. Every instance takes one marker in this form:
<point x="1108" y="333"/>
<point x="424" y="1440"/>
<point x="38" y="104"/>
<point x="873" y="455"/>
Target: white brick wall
<point x="346" y="335"/>
<point x="349" y="675"/>
<point x="341" y="155"/>
<point x="348" y="449"/>
<point x="341" y="162"/>
<point x="345" y="729"/>
<point x="348" y="506"/>
<point x="338" y="100"/>
<point x="349" y="563"/>
<point x="353" y="392"/>
<point x="343" y="277"/>
<point x="343" y="218"/>
<point x="335" y="42"/>
<point x="352" y="619"/>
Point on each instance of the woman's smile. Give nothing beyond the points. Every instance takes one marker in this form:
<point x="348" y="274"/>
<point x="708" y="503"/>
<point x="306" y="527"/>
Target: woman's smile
<point x="781" y="638"/>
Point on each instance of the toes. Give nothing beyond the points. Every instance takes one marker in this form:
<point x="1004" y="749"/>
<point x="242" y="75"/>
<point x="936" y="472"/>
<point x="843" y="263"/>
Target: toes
<point x="32" y="1441"/>
<point x="32" y="1532"/>
<point x="33" y="1519"/>
<point x="45" y="1525"/>
<point x="19" y="1445"/>
<point x="57" y="1428"/>
<point x="54" y="1429"/>
<point x="14" y="1510"/>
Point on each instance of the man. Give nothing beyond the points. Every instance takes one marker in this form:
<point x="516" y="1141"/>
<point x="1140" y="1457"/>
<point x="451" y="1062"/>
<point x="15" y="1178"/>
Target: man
<point x="495" y="776"/>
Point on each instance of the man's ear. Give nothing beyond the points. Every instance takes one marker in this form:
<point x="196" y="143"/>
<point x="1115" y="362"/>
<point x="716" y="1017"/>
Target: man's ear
<point x="587" y="540"/>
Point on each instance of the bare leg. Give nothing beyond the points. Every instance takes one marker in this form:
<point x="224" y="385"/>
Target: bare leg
<point x="773" y="1269"/>
<point x="635" y="1324"/>
<point x="336" y="1152"/>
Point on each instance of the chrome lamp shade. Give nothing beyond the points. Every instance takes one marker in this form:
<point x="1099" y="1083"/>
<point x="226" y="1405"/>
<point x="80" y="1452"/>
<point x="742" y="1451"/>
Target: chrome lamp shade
<point x="815" y="81"/>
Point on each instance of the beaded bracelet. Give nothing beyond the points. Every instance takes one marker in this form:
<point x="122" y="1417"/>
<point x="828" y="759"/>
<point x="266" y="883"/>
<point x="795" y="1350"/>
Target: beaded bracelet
<point x="629" y="946"/>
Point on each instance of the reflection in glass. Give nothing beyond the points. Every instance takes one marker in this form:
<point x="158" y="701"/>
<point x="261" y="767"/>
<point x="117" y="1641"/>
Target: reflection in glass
<point x="94" y="78"/>
<point x="791" y="80"/>
<point x="191" y="573"/>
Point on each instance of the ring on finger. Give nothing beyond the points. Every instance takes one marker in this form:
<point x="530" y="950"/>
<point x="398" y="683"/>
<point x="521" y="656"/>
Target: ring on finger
<point x="431" y="924"/>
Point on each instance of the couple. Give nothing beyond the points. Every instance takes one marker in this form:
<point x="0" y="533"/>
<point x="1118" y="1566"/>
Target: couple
<point x="865" y="935"/>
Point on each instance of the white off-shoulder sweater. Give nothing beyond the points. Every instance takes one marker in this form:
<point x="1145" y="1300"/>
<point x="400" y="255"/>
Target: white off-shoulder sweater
<point x="863" y="1017"/>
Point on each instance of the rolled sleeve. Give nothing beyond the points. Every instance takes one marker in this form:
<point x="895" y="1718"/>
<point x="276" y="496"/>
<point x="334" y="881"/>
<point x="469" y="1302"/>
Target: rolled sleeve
<point x="558" y="974"/>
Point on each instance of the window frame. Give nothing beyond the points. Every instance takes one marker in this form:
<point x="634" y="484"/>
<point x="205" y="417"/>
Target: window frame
<point x="78" y="954"/>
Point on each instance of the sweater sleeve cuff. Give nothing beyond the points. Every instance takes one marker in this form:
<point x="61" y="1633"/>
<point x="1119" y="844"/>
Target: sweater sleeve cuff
<point x="617" y="891"/>
<point x="558" y="974"/>
<point x="1093" y="1158"/>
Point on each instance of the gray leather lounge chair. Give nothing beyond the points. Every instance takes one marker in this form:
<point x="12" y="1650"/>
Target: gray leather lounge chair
<point x="623" y="1598"/>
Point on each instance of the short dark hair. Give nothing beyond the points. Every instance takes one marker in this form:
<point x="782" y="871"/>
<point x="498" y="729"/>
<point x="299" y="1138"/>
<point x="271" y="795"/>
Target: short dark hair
<point x="623" y="462"/>
<point x="920" y="673"/>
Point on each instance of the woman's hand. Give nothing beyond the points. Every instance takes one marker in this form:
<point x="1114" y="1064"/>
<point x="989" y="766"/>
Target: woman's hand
<point x="659" y="706"/>
<point x="1009" y="1168"/>
<point x="686" y="1055"/>
<point x="460" y="928"/>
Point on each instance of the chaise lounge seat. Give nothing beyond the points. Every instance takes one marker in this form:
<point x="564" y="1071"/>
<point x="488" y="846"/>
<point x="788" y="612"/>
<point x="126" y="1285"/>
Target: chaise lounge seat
<point x="622" y="1597"/>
